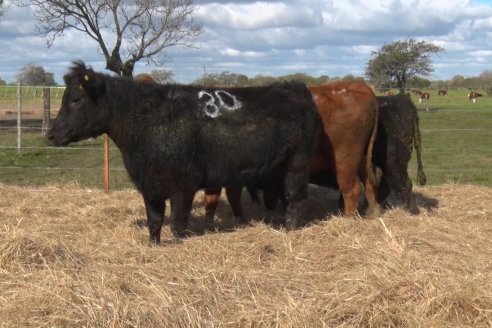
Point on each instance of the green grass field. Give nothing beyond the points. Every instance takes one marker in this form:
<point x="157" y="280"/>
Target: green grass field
<point x="456" y="139"/>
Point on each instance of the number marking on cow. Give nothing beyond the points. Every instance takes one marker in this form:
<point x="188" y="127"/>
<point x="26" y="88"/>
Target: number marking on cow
<point x="217" y="100"/>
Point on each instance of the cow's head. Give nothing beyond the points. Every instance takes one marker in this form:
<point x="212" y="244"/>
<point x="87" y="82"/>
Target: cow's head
<point x="81" y="115"/>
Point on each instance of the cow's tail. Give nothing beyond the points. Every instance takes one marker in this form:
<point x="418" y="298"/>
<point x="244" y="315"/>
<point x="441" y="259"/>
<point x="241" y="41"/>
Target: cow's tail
<point x="418" y="149"/>
<point x="374" y="174"/>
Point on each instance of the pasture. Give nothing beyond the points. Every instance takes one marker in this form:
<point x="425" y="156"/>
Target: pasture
<point x="72" y="256"/>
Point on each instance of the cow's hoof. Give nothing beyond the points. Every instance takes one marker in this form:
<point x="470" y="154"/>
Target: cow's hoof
<point x="291" y="224"/>
<point x="373" y="212"/>
<point x="414" y="210"/>
<point x="154" y="240"/>
<point x="239" y="222"/>
<point x="209" y="225"/>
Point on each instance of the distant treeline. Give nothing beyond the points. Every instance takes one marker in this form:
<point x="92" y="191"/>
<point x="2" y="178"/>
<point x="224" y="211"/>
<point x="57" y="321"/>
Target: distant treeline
<point x="226" y="78"/>
<point x="483" y="81"/>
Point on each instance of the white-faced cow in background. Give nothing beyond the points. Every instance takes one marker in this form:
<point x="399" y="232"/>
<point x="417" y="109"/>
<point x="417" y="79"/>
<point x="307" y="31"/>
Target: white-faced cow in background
<point x="473" y="96"/>
<point x="424" y="97"/>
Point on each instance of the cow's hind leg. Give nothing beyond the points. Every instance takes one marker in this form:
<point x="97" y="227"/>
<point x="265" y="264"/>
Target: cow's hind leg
<point x="212" y="196"/>
<point x="371" y="188"/>
<point x="155" y="207"/>
<point x="350" y="188"/>
<point x="349" y="183"/>
<point x="374" y="209"/>
<point x="181" y="203"/>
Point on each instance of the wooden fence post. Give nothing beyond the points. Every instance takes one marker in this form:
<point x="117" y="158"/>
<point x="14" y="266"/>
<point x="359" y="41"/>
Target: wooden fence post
<point x="19" y="125"/>
<point x="46" y="110"/>
<point x="106" y="163"/>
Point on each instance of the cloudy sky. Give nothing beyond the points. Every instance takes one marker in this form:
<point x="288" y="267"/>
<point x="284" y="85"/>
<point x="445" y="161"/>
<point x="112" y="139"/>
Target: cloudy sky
<point x="317" y="37"/>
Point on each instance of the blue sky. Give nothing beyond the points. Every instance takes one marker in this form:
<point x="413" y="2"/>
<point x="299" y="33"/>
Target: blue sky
<point x="317" y="37"/>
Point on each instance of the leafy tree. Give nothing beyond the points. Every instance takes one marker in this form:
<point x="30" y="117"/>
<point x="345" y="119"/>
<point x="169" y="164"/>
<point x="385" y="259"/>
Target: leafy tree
<point x="146" y="28"/>
<point x="308" y="79"/>
<point x="457" y="81"/>
<point x="418" y="82"/>
<point x="486" y="81"/>
<point x="2" y="82"/>
<point x="32" y="74"/>
<point x="262" y="80"/>
<point x="400" y="61"/>
<point x="351" y="77"/>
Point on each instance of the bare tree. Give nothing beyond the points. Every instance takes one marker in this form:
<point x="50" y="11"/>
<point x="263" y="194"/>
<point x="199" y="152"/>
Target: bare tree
<point x="146" y="28"/>
<point x="1" y="7"/>
<point x="32" y="74"/>
<point x="162" y="76"/>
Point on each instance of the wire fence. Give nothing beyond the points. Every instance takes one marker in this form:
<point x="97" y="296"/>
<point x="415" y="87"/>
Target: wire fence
<point x="31" y="161"/>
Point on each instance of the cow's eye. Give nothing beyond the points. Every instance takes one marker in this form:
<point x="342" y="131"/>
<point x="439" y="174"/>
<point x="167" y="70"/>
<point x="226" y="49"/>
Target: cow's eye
<point x="75" y="101"/>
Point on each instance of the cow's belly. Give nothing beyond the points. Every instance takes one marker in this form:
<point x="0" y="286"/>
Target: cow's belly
<point x="244" y="155"/>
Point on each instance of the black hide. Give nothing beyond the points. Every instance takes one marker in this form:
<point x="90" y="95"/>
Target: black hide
<point x="398" y="134"/>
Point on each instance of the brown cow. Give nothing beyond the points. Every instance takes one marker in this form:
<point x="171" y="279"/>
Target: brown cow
<point x="144" y="78"/>
<point x="442" y="92"/>
<point x="349" y="112"/>
<point x="424" y="97"/>
<point x="343" y="159"/>
<point x="474" y="95"/>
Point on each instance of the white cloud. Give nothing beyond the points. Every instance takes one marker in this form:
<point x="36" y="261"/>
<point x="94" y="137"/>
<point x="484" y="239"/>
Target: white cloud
<point x="257" y="15"/>
<point x="331" y="37"/>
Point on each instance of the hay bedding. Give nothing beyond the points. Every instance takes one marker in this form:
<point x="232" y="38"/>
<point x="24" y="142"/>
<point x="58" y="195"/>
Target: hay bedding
<point x="73" y="257"/>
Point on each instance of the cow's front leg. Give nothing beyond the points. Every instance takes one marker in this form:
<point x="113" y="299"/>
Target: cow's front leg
<point x="296" y="183"/>
<point x="181" y="203"/>
<point x="233" y="194"/>
<point x="155" y="207"/>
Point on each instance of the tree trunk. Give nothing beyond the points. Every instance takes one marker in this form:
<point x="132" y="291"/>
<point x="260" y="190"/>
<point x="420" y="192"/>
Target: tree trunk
<point x="115" y="64"/>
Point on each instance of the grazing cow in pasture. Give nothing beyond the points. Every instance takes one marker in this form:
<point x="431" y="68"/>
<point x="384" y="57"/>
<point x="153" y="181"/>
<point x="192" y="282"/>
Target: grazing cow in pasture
<point x="177" y="139"/>
<point x="416" y="92"/>
<point x="398" y="133"/>
<point x="473" y="96"/>
<point x="442" y="92"/>
<point x="343" y="159"/>
<point x="424" y="97"/>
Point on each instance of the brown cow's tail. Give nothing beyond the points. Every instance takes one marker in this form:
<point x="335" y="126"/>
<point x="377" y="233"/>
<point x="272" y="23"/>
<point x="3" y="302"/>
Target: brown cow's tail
<point x="374" y="173"/>
<point x="418" y="149"/>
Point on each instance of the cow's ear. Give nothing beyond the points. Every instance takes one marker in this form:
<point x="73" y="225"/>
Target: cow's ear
<point x="92" y="83"/>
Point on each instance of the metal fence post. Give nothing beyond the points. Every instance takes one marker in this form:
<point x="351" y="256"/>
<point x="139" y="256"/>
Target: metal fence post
<point x="46" y="110"/>
<point x="19" y="107"/>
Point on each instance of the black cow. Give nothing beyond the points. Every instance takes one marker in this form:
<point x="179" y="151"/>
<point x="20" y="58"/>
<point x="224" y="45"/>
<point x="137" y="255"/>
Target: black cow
<point x="398" y="133"/>
<point x="178" y="139"/>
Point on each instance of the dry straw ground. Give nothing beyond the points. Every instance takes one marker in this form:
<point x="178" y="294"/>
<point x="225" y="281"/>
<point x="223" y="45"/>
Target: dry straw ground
<point x="73" y="257"/>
